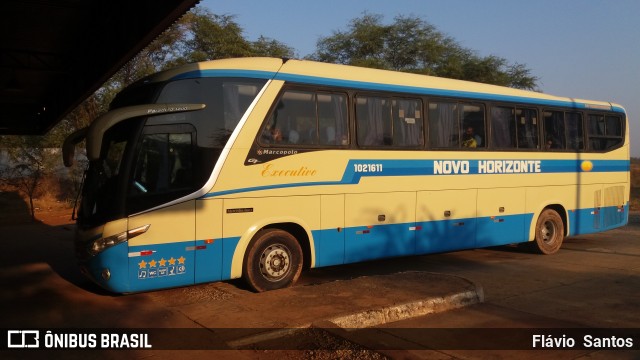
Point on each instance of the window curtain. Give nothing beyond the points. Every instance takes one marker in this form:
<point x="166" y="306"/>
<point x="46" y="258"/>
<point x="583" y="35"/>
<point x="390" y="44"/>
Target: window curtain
<point x="575" y="136"/>
<point x="375" y="126"/>
<point x="554" y="131"/>
<point x="340" y="130"/>
<point x="407" y="132"/>
<point x="502" y="125"/>
<point x="528" y="129"/>
<point x="444" y="128"/>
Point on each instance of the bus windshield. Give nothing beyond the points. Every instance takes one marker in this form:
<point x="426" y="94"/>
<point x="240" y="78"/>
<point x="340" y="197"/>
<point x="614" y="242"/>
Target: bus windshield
<point x="149" y="161"/>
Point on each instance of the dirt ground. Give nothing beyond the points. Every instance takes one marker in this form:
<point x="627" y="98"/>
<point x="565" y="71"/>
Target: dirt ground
<point x="14" y="209"/>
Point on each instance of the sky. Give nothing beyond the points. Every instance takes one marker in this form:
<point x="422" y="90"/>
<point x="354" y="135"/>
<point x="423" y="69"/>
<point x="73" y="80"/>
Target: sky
<point x="587" y="49"/>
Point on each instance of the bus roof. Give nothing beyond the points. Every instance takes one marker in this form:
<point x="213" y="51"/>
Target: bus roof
<point x="318" y="73"/>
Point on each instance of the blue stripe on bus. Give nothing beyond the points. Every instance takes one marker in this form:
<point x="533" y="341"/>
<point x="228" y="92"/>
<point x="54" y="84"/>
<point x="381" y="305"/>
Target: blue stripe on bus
<point x="254" y="74"/>
<point x="352" y="244"/>
<point x="427" y="168"/>
<point x="316" y="80"/>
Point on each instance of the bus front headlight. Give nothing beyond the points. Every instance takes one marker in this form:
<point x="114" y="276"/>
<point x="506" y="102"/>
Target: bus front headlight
<point x="104" y="243"/>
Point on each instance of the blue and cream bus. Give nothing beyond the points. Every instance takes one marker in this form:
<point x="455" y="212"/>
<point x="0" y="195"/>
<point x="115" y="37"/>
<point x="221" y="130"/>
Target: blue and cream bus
<point x="260" y="167"/>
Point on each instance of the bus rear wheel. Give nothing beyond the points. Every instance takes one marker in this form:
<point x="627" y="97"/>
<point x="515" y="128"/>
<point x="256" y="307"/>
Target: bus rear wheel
<point x="549" y="233"/>
<point x="273" y="260"/>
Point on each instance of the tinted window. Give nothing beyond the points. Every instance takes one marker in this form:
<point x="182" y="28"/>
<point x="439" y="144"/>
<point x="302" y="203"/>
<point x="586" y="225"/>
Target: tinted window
<point x="226" y="99"/>
<point x="392" y="122"/>
<point x="373" y="121"/>
<point x="574" y="131"/>
<point x="527" y="124"/>
<point x="455" y="125"/>
<point x="307" y="119"/>
<point x="605" y="132"/>
<point x="164" y="166"/>
<point x="503" y="130"/>
<point x="554" y="130"/>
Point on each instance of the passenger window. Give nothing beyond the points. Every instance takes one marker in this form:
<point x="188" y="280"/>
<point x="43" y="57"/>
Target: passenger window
<point x="503" y="129"/>
<point x="407" y="123"/>
<point x="455" y="125"/>
<point x="574" y="131"/>
<point x="605" y="132"/>
<point x="293" y="120"/>
<point x="473" y="129"/>
<point x="614" y="126"/>
<point x="444" y="127"/>
<point x="373" y="121"/>
<point x="554" y="130"/>
<point x="527" y="123"/>
<point x="333" y="119"/>
<point x="306" y="118"/>
<point x="391" y="122"/>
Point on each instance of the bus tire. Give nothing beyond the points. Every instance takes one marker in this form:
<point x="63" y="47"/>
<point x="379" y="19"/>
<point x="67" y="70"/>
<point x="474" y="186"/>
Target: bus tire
<point x="549" y="233"/>
<point x="273" y="260"/>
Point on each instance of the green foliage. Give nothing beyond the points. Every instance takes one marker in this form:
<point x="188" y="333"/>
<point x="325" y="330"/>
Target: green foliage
<point x="411" y="44"/>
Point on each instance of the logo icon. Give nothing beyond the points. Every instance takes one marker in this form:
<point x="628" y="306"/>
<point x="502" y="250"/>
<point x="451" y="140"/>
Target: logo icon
<point x="23" y="339"/>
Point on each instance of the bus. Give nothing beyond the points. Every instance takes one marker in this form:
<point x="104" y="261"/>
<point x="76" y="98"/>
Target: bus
<point x="258" y="168"/>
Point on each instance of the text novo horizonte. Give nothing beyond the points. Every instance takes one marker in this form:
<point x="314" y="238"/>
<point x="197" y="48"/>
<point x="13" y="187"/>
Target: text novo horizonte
<point x="447" y="167"/>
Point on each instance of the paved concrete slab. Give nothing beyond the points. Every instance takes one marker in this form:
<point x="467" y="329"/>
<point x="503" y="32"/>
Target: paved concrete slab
<point x="245" y="318"/>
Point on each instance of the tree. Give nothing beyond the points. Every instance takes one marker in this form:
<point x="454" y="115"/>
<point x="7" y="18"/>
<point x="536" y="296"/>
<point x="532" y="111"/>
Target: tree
<point x="212" y="36"/>
<point x="30" y="159"/>
<point x="269" y="47"/>
<point x="411" y="44"/>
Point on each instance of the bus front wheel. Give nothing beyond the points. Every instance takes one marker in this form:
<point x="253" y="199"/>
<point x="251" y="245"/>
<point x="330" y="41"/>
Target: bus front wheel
<point x="273" y="260"/>
<point x="549" y="233"/>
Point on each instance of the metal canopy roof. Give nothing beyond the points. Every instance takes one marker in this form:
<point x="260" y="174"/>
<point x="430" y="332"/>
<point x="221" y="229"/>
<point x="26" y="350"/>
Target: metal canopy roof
<point x="55" y="53"/>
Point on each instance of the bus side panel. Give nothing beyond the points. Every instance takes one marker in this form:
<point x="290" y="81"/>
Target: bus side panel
<point x="330" y="240"/>
<point x="244" y="217"/>
<point x="589" y="208"/>
<point x="209" y="242"/>
<point x="615" y="211"/>
<point x="501" y="217"/>
<point x="164" y="255"/>
<point x="446" y="220"/>
<point x="379" y="225"/>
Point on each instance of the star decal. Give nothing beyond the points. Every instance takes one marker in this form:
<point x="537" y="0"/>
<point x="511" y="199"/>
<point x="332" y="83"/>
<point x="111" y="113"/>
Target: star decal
<point x="172" y="261"/>
<point x="142" y="264"/>
<point x="162" y="262"/>
<point x="152" y="263"/>
<point x="181" y="260"/>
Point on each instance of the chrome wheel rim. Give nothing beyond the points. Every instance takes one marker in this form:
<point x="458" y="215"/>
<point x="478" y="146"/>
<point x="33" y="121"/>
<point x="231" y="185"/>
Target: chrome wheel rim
<point x="275" y="262"/>
<point x="548" y="232"/>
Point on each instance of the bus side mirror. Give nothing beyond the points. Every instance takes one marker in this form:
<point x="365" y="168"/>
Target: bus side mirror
<point x="69" y="146"/>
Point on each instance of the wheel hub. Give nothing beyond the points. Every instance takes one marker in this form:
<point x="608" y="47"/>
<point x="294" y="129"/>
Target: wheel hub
<point x="275" y="262"/>
<point x="548" y="232"/>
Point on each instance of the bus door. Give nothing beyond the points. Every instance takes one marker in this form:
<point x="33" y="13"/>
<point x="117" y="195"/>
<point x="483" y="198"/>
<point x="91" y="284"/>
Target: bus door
<point x="446" y="220"/>
<point x="162" y="250"/>
<point x="379" y="225"/>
